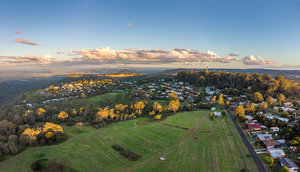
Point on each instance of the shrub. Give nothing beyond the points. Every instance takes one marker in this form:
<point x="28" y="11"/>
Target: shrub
<point x="117" y="147"/>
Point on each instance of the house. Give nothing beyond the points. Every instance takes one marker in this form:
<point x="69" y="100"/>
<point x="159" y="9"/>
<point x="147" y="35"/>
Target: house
<point x="292" y="124"/>
<point x="287" y="109"/>
<point x="270" y="143"/>
<point x="249" y="122"/>
<point x="290" y="164"/>
<point x="276" y="153"/>
<point x="282" y="142"/>
<point x="264" y="137"/>
<point x="218" y="114"/>
<point x="276" y="108"/>
<point x="254" y="127"/>
<point x="248" y="117"/>
<point x="288" y="104"/>
<point x="286" y="120"/>
<point x="275" y="129"/>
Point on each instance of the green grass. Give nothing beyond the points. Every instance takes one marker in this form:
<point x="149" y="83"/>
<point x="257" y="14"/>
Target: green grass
<point x="215" y="148"/>
<point x="107" y="97"/>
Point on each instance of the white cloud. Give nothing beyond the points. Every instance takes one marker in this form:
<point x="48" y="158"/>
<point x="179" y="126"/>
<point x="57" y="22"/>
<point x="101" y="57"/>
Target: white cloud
<point x="252" y="60"/>
<point x="107" y="55"/>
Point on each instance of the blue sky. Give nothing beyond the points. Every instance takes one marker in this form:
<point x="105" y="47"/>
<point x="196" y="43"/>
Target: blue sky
<point x="268" y="29"/>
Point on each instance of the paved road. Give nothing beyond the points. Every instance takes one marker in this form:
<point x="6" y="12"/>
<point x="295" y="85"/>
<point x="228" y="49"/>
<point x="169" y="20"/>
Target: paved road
<point x="258" y="162"/>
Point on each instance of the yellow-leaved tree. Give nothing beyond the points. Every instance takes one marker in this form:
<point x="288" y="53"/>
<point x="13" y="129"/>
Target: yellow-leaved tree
<point x="213" y="99"/>
<point x="51" y="127"/>
<point x="157" y="107"/>
<point x="221" y="100"/>
<point x="240" y="111"/>
<point x="62" y="115"/>
<point x="139" y="106"/>
<point x="263" y="105"/>
<point x="157" y="117"/>
<point x="174" y="105"/>
<point x="250" y="107"/>
<point x="102" y="114"/>
<point x="29" y="136"/>
<point x="40" y="112"/>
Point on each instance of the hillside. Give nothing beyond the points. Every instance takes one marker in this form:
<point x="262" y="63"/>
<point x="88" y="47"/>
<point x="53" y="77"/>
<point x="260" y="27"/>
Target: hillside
<point x="206" y="145"/>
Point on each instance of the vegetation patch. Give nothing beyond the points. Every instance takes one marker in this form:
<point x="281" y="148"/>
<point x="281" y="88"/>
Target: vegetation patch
<point x="176" y="126"/>
<point x="126" y="153"/>
<point x="50" y="165"/>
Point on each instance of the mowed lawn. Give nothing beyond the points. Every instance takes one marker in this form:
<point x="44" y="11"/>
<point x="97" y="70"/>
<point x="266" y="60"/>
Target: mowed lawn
<point x="208" y="145"/>
<point x="107" y="96"/>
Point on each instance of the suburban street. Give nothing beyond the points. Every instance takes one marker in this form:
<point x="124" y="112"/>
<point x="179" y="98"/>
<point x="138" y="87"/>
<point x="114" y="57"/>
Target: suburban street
<point x="258" y="162"/>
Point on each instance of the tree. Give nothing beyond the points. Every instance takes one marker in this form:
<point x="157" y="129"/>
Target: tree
<point x="250" y="107"/>
<point x="102" y="114"/>
<point x="74" y="112"/>
<point x="174" y="105"/>
<point x="240" y="111"/>
<point x="157" y="107"/>
<point x="79" y="125"/>
<point x="280" y="98"/>
<point x="223" y="113"/>
<point x="52" y="127"/>
<point x="263" y="105"/>
<point x="213" y="99"/>
<point x="221" y="100"/>
<point x="157" y="117"/>
<point x="62" y="115"/>
<point x="29" y="136"/>
<point x="211" y="115"/>
<point x="257" y="97"/>
<point x="270" y="160"/>
<point x="269" y="100"/>
<point x="40" y="112"/>
<point x="173" y="95"/>
<point x="285" y="169"/>
<point x="139" y="106"/>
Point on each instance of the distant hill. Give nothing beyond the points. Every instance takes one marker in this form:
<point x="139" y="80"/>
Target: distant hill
<point x="290" y="74"/>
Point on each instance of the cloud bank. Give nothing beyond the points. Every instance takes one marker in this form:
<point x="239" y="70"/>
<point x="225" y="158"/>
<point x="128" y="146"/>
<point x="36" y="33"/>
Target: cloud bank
<point x="27" y="60"/>
<point x="106" y="55"/>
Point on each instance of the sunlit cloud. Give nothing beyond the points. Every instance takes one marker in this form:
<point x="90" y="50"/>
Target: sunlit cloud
<point x="107" y="55"/>
<point x="130" y="24"/>
<point x="18" y="32"/>
<point x="252" y="60"/>
<point x="27" y="59"/>
<point x="233" y="54"/>
<point x="24" y="41"/>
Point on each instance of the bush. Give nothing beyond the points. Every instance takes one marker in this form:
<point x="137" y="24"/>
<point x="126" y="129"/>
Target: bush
<point x="223" y="113"/>
<point x="204" y="106"/>
<point x="130" y="155"/>
<point x="117" y="147"/>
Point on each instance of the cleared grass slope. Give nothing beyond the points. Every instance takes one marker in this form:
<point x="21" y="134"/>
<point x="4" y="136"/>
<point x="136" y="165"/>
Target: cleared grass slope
<point x="208" y="145"/>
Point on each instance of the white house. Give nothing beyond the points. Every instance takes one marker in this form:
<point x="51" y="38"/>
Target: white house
<point x="276" y="153"/>
<point x="275" y="129"/>
<point x="290" y="164"/>
<point x="218" y="114"/>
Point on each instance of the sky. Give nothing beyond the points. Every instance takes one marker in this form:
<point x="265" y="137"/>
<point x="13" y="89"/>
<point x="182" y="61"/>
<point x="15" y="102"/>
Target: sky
<point x="134" y="33"/>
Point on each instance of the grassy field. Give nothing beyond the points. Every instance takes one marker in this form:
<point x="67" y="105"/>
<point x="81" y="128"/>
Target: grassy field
<point x="208" y="145"/>
<point x="106" y="97"/>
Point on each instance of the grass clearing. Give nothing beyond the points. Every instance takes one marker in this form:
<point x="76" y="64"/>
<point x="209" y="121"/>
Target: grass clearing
<point x="214" y="150"/>
<point x="105" y="97"/>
